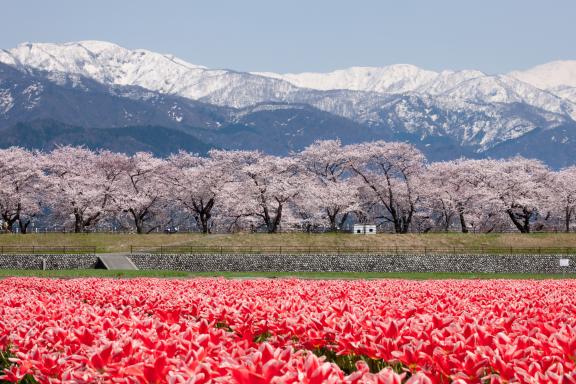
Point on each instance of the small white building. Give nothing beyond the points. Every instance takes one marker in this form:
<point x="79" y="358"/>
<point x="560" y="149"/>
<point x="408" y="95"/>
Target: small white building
<point x="364" y="229"/>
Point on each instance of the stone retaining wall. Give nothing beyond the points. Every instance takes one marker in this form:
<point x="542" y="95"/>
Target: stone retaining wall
<point x="357" y="263"/>
<point x="311" y="263"/>
<point x="52" y="261"/>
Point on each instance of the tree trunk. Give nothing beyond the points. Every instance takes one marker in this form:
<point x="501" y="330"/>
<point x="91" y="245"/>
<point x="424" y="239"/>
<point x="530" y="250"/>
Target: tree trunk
<point x="78" y="223"/>
<point x="139" y="226"/>
<point x="274" y="223"/>
<point x="332" y="218"/>
<point x="203" y="214"/>
<point x="527" y="222"/>
<point x="138" y="221"/>
<point x="463" y="224"/>
<point x="447" y="219"/>
<point x="92" y="220"/>
<point x="9" y="221"/>
<point x="522" y="221"/>
<point x="335" y="224"/>
<point x="395" y="220"/>
<point x="343" y="220"/>
<point x="404" y="221"/>
<point x="23" y="224"/>
<point x="203" y="217"/>
<point x="204" y="223"/>
<point x="404" y="225"/>
<point x="567" y="219"/>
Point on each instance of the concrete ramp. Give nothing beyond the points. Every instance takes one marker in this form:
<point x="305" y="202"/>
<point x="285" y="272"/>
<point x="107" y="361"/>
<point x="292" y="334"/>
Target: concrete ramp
<point x="116" y="261"/>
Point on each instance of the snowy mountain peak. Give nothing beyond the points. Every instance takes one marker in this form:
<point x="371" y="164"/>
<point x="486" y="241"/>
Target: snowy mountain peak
<point x="447" y="80"/>
<point x="396" y="78"/>
<point x="507" y="90"/>
<point x="553" y="75"/>
<point x="77" y="57"/>
<point x="112" y="64"/>
<point x="96" y="45"/>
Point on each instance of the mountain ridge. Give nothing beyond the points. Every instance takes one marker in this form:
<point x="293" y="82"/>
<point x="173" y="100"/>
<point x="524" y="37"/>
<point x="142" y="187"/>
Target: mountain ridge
<point x="110" y="63"/>
<point x="471" y="110"/>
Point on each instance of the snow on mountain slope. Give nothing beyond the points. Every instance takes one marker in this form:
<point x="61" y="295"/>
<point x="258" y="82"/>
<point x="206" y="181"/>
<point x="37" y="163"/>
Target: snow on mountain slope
<point x="504" y="89"/>
<point x="467" y="122"/>
<point x="447" y="80"/>
<point x="553" y="75"/>
<point x="468" y="107"/>
<point x="113" y="65"/>
<point x="397" y="78"/>
<point x="26" y="97"/>
<point x="469" y="85"/>
<point x="567" y="93"/>
<point x="6" y="101"/>
<point x="96" y="59"/>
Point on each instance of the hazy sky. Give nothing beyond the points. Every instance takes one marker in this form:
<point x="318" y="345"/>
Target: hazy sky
<point x="311" y="35"/>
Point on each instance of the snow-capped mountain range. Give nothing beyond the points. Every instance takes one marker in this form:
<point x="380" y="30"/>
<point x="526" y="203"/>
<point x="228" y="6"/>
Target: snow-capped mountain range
<point x="476" y="112"/>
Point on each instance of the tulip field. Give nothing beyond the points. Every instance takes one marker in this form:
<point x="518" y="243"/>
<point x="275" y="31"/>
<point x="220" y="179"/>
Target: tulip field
<point x="215" y="330"/>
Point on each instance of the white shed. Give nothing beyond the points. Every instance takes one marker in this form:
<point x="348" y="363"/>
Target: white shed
<point x="364" y="229"/>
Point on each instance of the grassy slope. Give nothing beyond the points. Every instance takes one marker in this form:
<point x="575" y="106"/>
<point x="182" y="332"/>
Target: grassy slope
<point x="122" y="242"/>
<point x="306" y="275"/>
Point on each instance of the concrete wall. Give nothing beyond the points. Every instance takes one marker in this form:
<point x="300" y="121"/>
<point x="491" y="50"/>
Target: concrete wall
<point x="313" y="263"/>
<point x="358" y="263"/>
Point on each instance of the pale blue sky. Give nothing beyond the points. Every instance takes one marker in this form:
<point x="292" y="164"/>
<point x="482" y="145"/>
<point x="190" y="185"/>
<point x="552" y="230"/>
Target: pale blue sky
<point x="307" y="35"/>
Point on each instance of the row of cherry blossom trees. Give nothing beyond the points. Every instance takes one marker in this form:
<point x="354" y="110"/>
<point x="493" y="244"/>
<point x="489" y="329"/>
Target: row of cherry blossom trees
<point x="324" y="187"/>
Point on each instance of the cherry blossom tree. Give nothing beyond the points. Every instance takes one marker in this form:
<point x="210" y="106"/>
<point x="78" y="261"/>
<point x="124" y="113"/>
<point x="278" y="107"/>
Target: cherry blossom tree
<point x="142" y="193"/>
<point x="83" y="184"/>
<point x="196" y="183"/>
<point x="390" y="171"/>
<point x="21" y="184"/>
<point x="521" y="188"/>
<point x="564" y="195"/>
<point x="331" y="188"/>
<point x="263" y="187"/>
<point x="325" y="205"/>
<point x="456" y="191"/>
<point x="306" y="211"/>
<point x="319" y="187"/>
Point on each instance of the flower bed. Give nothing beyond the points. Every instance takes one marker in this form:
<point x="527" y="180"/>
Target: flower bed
<point x="287" y="331"/>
